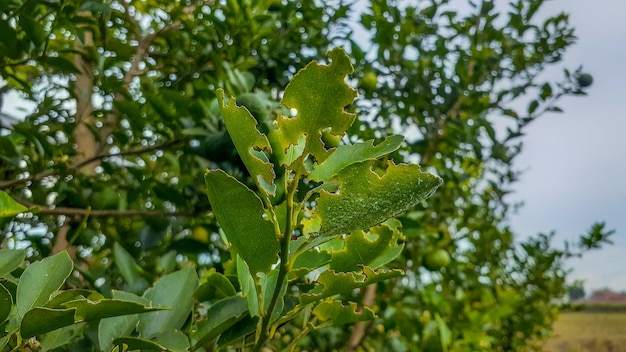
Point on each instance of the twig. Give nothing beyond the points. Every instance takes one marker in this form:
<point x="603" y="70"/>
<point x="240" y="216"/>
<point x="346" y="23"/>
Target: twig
<point x="104" y="213"/>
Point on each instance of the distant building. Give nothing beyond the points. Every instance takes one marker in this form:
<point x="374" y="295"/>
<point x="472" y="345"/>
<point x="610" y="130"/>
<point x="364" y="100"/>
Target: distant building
<point x="607" y="296"/>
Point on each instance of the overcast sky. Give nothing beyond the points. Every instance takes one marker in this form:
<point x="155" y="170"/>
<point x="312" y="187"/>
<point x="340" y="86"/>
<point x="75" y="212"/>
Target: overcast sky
<point x="575" y="161"/>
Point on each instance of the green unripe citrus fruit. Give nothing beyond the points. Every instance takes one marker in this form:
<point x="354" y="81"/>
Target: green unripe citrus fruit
<point x="436" y="259"/>
<point x="585" y="80"/>
<point x="369" y="81"/>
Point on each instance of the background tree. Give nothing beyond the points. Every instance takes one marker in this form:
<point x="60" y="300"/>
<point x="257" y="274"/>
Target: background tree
<point x="127" y="121"/>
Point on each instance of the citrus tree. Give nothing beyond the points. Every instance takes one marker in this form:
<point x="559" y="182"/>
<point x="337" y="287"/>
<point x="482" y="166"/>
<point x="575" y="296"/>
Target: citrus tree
<point x="310" y="231"/>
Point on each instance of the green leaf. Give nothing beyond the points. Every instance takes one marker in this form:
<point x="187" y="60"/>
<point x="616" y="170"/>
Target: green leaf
<point x="216" y="286"/>
<point x="361" y="248"/>
<point x="331" y="283"/>
<point x="128" y="267"/>
<point x="319" y="94"/>
<point x="72" y="295"/>
<point x="10" y="259"/>
<point x="111" y="328"/>
<point x="248" y="287"/>
<point x="6" y="302"/>
<point x="174" y="290"/>
<point x="137" y="343"/>
<point x="341" y="314"/>
<point x="366" y="199"/>
<point x="40" y="280"/>
<point x="220" y="316"/>
<point x="173" y="340"/>
<point x="308" y="261"/>
<point x="351" y="154"/>
<point x="240" y="213"/>
<point x="87" y="310"/>
<point x="59" y="337"/>
<point x="41" y="320"/>
<point x="250" y="144"/>
<point x="9" y="207"/>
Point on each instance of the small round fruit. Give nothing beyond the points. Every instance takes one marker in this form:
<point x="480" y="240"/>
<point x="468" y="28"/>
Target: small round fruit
<point x="585" y="80"/>
<point x="369" y="81"/>
<point x="200" y="234"/>
<point x="436" y="259"/>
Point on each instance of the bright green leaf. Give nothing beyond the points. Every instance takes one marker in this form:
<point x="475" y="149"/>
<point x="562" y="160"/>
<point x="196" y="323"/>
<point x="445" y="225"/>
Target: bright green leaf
<point x="362" y="248"/>
<point x="331" y="283"/>
<point x="250" y="144"/>
<point x="240" y="213"/>
<point x="10" y="259"/>
<point x="319" y="94"/>
<point x="341" y="314"/>
<point x="40" y="280"/>
<point x="41" y="320"/>
<point x="175" y="291"/>
<point x="350" y="154"/>
<point x="366" y="199"/>
<point x="9" y="207"/>
<point x="220" y="316"/>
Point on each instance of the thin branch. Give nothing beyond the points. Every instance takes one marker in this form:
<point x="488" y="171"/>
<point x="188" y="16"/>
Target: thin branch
<point x="105" y="213"/>
<point x="74" y="168"/>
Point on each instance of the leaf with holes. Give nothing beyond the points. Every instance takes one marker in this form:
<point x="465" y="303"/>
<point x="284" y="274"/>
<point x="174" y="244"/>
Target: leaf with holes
<point x="319" y="94"/>
<point x="341" y="314"/>
<point x="374" y="248"/>
<point x="365" y="199"/>
<point x="331" y="283"/>
<point x="249" y="142"/>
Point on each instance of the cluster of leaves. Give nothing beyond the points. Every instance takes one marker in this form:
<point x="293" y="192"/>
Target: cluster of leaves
<point x="128" y="117"/>
<point x="322" y="198"/>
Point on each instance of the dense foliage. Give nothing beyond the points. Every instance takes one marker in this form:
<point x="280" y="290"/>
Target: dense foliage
<point x="129" y="116"/>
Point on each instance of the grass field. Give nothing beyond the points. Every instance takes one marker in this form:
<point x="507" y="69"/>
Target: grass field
<point x="589" y="331"/>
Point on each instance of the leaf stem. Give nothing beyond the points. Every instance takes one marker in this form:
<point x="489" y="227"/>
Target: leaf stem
<point x="292" y="187"/>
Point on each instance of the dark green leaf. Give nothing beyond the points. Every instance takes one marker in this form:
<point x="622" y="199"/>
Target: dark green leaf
<point x="220" y="316"/>
<point x="42" y="320"/>
<point x="240" y="213"/>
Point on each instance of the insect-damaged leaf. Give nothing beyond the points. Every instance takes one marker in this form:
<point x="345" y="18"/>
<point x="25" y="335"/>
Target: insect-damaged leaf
<point x="240" y="212"/>
<point x="374" y="248"/>
<point x="249" y="142"/>
<point x="350" y="154"/>
<point x="365" y="199"/>
<point x="319" y="94"/>
<point x="341" y="314"/>
<point x="331" y="283"/>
